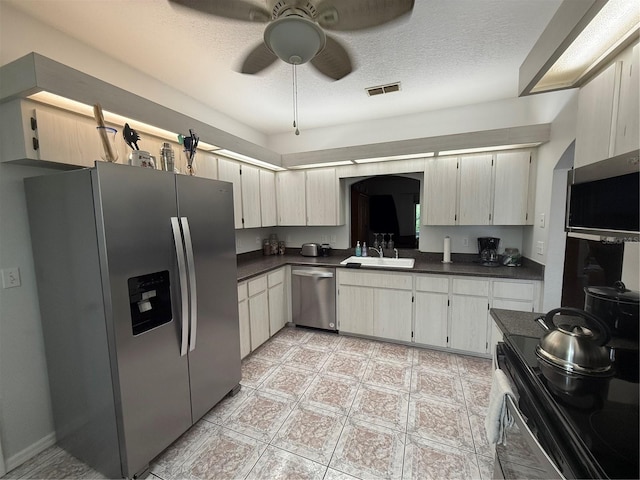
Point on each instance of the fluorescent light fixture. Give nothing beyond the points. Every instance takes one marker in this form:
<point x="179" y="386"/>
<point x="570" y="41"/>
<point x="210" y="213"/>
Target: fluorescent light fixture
<point x="320" y="165"/>
<point x="87" y="110"/>
<point x="463" y="151"/>
<point x="245" y="158"/>
<point x="614" y="24"/>
<point x="581" y="38"/>
<point x="395" y="157"/>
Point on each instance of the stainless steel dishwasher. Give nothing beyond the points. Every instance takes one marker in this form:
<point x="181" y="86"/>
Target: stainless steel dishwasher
<point x="314" y="297"/>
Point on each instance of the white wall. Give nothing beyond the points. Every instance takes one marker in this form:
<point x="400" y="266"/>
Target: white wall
<point x="26" y="423"/>
<point x="512" y="112"/>
<point x="563" y="133"/>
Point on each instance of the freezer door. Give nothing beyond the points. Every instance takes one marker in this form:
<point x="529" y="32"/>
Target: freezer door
<point x="206" y="210"/>
<point x="139" y="258"/>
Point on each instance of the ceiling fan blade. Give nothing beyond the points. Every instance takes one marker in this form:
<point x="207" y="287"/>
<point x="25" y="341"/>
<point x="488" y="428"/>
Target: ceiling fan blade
<point x="258" y="59"/>
<point x="359" y="14"/>
<point x="333" y="61"/>
<point x="234" y="9"/>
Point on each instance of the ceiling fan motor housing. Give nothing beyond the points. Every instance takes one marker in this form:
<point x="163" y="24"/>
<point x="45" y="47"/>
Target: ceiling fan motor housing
<point x="294" y="39"/>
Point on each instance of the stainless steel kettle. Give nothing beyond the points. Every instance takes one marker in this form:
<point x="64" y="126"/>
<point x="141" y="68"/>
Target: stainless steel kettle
<point x="572" y="347"/>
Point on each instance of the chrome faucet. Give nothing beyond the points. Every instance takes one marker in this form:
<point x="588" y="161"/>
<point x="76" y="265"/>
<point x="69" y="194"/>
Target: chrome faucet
<point x="380" y="251"/>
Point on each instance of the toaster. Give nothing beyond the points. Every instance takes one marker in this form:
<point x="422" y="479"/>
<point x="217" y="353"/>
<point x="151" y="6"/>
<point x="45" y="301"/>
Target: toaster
<point x="310" y="250"/>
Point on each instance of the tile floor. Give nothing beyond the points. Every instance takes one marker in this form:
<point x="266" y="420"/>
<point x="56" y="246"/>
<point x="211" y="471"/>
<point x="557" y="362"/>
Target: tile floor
<point x="321" y="406"/>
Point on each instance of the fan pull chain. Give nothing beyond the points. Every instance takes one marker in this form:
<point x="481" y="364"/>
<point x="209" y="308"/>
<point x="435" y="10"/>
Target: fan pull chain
<point x="295" y="99"/>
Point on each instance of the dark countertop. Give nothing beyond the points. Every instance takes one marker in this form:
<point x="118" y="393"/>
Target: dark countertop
<point x="254" y="263"/>
<point x="511" y="322"/>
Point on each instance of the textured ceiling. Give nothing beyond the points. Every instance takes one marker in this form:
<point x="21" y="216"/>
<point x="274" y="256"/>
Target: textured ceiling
<point x="448" y="53"/>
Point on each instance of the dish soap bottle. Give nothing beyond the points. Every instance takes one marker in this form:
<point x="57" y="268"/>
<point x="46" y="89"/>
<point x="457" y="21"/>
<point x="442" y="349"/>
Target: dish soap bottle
<point x="365" y="252"/>
<point x="358" y="249"/>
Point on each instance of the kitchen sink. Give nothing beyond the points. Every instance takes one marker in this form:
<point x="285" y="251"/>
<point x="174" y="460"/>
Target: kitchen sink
<point x="381" y="262"/>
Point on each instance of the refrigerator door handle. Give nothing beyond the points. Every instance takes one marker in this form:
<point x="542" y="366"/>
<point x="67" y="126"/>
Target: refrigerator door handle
<point x="184" y="293"/>
<point x="191" y="269"/>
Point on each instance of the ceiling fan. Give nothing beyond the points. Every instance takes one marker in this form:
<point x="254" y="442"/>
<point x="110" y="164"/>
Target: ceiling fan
<point x="295" y="30"/>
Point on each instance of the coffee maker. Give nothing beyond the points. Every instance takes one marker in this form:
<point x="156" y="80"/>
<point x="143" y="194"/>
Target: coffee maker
<point x="488" y="249"/>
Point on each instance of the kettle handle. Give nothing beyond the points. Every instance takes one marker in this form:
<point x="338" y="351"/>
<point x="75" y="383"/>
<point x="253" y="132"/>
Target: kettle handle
<point x="603" y="334"/>
<point x="620" y="286"/>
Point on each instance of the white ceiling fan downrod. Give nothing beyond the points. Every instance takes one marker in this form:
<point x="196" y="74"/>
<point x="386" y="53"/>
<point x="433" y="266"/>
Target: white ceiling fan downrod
<point x="295" y="99"/>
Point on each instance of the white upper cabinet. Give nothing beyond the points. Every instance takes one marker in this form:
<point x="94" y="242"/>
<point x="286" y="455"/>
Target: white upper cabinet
<point x="246" y="181"/>
<point x="290" y="196"/>
<point x="229" y="171"/>
<point x="487" y="189"/>
<point x="251" y="213"/>
<point x="595" y="111"/>
<point x="475" y="190"/>
<point x="628" y="124"/>
<point x="309" y="197"/>
<point x="440" y="191"/>
<point x="511" y="191"/>
<point x="322" y="197"/>
<point x="268" y="198"/>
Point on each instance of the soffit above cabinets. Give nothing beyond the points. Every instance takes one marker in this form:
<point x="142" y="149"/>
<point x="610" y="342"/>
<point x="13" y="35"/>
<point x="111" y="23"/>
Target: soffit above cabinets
<point x="36" y="73"/>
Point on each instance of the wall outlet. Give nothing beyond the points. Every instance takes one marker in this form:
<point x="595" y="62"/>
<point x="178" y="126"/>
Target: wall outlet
<point x="540" y="248"/>
<point x="333" y="239"/>
<point x="465" y="242"/>
<point x="10" y="277"/>
<point x="541" y="220"/>
<point x="258" y="241"/>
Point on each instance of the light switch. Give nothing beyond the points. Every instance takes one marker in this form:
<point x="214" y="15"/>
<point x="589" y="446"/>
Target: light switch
<point x="10" y="277"/>
<point x="540" y="248"/>
<point x="541" y="220"/>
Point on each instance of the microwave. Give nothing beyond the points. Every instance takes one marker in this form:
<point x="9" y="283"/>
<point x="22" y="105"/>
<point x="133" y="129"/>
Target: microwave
<point x="603" y="198"/>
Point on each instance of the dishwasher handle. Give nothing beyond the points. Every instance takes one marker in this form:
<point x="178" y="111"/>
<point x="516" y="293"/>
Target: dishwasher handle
<point x="312" y="273"/>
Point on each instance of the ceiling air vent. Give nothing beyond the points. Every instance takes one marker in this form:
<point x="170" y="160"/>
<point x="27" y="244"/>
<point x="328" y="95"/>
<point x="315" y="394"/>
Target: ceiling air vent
<point x="380" y="89"/>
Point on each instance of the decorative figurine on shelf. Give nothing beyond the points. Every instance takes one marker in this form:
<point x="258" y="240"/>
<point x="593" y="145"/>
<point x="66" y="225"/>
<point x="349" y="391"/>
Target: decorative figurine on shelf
<point x="137" y="157"/>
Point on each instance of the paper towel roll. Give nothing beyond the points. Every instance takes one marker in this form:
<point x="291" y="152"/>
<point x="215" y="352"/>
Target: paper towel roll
<point x="447" y="250"/>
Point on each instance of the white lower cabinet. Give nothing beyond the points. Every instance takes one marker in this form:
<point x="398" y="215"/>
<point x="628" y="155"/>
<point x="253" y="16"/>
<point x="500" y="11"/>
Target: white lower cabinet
<point x="431" y="319"/>
<point x="258" y="311"/>
<point x="375" y="304"/>
<point x="392" y="314"/>
<point x="513" y="295"/>
<point x="469" y="323"/>
<point x="262" y="309"/>
<point x="243" y="316"/>
<point x="276" y="296"/>
<point x="355" y="309"/>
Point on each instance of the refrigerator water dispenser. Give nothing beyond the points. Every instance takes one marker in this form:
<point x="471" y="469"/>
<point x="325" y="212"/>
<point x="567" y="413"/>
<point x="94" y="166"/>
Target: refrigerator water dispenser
<point x="150" y="301"/>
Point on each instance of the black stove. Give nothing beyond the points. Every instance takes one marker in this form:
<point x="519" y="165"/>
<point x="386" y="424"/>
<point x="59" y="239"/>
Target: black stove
<point x="588" y="426"/>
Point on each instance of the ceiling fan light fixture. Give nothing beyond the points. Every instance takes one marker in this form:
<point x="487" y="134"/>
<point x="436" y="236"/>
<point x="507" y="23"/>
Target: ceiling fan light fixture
<point x="294" y="39"/>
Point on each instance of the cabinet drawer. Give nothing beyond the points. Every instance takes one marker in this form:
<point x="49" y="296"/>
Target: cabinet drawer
<point x="274" y="278"/>
<point x="257" y="285"/>
<point x="242" y="291"/>
<point x="471" y="287"/>
<point x="512" y="290"/>
<point x="432" y="284"/>
<point x="376" y="280"/>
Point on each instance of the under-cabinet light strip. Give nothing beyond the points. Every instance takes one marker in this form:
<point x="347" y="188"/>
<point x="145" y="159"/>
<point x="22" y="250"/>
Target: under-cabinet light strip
<point x="487" y="149"/>
<point x="244" y="158"/>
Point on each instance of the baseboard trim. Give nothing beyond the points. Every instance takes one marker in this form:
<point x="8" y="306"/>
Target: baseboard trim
<point x="31" y="451"/>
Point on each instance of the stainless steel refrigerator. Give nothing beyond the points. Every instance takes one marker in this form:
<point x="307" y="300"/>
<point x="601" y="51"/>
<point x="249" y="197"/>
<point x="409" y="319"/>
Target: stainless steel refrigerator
<point x="137" y="284"/>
